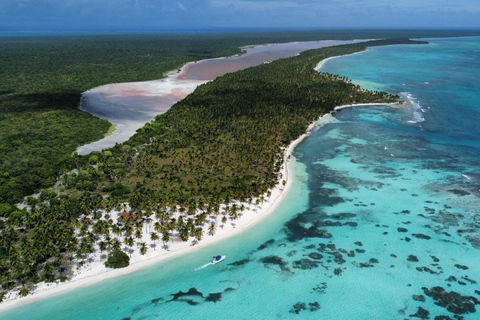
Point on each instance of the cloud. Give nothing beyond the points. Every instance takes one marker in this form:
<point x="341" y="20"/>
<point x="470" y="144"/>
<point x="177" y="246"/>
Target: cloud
<point x="238" y="13"/>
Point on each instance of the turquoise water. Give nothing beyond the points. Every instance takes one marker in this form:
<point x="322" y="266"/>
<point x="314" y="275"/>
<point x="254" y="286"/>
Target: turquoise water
<point x="382" y="221"/>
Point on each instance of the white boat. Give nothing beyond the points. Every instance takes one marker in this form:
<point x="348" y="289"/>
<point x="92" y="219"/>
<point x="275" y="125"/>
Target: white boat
<point x="217" y="259"/>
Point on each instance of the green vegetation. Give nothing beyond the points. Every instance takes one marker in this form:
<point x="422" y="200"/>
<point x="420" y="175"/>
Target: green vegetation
<point x="117" y="259"/>
<point x="43" y="78"/>
<point x="225" y="140"/>
<point x="221" y="143"/>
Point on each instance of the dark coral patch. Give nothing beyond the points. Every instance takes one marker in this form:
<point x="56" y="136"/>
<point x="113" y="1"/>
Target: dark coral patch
<point x="342" y="216"/>
<point x="315" y="256"/>
<point x="362" y="264"/>
<point x="421" y="236"/>
<point x="459" y="192"/>
<point x="412" y="258"/>
<point x="296" y="231"/>
<point x="297" y="307"/>
<point x="266" y="244"/>
<point x="328" y="223"/>
<point x="239" y="262"/>
<point x="157" y="300"/>
<point x="314" y="306"/>
<point x="191" y="292"/>
<point x="214" y="297"/>
<point x="351" y="224"/>
<point x="452" y="301"/>
<point x="291" y="253"/>
<point x="402" y="230"/>
<point x="275" y="260"/>
<point x="320" y="288"/>
<point x="421" y="313"/>
<point x="418" y="297"/>
<point x="181" y="296"/>
<point x="426" y="269"/>
<point x="459" y="266"/>
<point x="305" y="264"/>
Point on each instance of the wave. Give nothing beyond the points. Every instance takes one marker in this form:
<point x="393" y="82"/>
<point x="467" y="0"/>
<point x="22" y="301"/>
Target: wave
<point x="418" y="110"/>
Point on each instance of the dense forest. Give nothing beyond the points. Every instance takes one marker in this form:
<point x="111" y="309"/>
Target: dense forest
<point x="43" y="78"/>
<point x="224" y="142"/>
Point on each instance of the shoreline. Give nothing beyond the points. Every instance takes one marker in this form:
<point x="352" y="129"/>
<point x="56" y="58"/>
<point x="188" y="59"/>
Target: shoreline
<point x="249" y="218"/>
<point x="95" y="272"/>
<point x="320" y="64"/>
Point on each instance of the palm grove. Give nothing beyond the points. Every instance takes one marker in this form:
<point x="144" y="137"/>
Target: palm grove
<point x="216" y="149"/>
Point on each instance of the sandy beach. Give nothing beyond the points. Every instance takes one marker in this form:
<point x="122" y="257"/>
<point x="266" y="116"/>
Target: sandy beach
<point x="94" y="271"/>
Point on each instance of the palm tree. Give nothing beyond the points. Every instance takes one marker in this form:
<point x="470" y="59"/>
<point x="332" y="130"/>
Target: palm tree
<point x="198" y="233"/>
<point x="224" y="220"/>
<point x="165" y="237"/>
<point x="138" y="234"/>
<point x="211" y="229"/>
<point x="154" y="238"/>
<point x="157" y="226"/>
<point x="116" y="244"/>
<point x="143" y="248"/>
<point x="116" y="230"/>
<point x="129" y="241"/>
<point x="24" y="291"/>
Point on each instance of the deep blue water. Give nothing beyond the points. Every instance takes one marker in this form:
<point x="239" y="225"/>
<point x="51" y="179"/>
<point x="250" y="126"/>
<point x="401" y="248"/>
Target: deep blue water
<point x="382" y="222"/>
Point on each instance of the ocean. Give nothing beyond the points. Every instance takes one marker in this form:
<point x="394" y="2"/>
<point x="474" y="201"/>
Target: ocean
<point x="382" y="221"/>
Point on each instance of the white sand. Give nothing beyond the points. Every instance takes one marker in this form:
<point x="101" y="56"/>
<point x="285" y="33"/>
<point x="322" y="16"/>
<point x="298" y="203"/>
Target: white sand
<point x="320" y="64"/>
<point x="94" y="270"/>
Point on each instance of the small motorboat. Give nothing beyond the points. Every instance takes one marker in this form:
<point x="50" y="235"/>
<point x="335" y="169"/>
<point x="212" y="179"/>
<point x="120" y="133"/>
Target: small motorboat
<point x="217" y="259"/>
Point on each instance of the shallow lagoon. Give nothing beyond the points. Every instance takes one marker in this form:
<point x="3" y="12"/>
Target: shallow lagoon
<point x="129" y="106"/>
<point x="383" y="213"/>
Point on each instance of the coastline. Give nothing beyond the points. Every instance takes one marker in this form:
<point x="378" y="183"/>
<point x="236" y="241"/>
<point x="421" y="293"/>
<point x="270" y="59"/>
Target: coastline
<point x="95" y="271"/>
<point x="320" y="64"/>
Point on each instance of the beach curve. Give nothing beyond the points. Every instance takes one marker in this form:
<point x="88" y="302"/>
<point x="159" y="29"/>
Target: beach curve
<point x="96" y="272"/>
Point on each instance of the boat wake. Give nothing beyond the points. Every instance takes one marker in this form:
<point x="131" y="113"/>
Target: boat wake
<point x="216" y="259"/>
<point x="204" y="266"/>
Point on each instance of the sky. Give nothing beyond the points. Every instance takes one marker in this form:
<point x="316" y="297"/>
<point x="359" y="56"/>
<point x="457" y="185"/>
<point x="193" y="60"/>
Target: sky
<point x="203" y="14"/>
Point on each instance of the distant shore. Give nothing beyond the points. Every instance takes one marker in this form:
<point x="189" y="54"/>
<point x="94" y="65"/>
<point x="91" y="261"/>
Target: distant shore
<point x="95" y="271"/>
